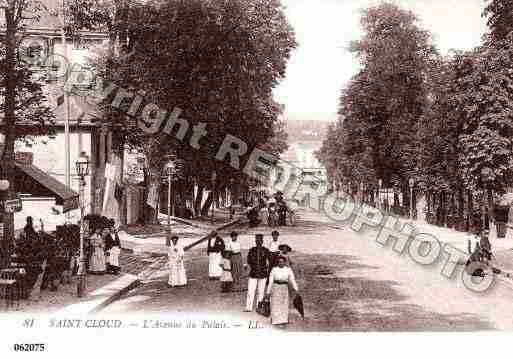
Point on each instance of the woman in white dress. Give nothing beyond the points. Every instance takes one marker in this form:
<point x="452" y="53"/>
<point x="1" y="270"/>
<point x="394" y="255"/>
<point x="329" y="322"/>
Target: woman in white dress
<point x="97" y="263"/>
<point x="214" y="256"/>
<point x="278" y="289"/>
<point x="177" y="277"/>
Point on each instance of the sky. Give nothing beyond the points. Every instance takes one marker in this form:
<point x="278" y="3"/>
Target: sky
<point x="321" y="66"/>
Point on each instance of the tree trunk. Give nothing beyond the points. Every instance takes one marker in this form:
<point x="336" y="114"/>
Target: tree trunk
<point x="189" y="196"/>
<point x="208" y="203"/>
<point x="444" y="208"/>
<point x="470" y="210"/>
<point x="153" y="184"/>
<point x="197" y="201"/>
<point x="118" y="158"/>
<point x="396" y="199"/>
<point x="461" y="203"/>
<point x="7" y="168"/>
<point x="461" y="209"/>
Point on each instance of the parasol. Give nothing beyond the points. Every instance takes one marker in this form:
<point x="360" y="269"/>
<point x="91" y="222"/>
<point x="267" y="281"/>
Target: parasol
<point x="298" y="305"/>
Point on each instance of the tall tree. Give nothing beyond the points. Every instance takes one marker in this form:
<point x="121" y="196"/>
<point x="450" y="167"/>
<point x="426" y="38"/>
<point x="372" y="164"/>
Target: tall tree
<point x="216" y="61"/>
<point x="500" y="18"/>
<point x="383" y="103"/>
<point x="488" y="123"/>
<point x="395" y="53"/>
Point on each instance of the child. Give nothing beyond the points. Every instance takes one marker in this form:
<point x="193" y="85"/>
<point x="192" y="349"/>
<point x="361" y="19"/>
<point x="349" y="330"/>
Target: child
<point x="114" y="253"/>
<point x="226" y="276"/>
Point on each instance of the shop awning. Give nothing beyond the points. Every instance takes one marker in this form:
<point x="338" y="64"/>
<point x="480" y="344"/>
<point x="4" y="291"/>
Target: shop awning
<point x="32" y="180"/>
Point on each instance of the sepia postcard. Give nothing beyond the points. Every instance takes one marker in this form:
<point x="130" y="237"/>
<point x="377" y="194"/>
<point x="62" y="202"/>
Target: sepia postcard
<point x="256" y="177"/>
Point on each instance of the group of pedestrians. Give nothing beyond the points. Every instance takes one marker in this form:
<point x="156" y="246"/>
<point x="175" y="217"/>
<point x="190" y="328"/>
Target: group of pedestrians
<point x="103" y="250"/>
<point x="270" y="272"/>
<point x="272" y="211"/>
<point x="270" y="277"/>
<point x="225" y="261"/>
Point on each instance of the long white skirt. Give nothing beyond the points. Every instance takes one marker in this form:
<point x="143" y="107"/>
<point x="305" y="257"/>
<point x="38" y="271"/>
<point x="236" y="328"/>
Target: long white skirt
<point x="280" y="304"/>
<point x="214" y="267"/>
<point x="113" y="258"/>
<point x="177" y="277"/>
<point x="263" y="216"/>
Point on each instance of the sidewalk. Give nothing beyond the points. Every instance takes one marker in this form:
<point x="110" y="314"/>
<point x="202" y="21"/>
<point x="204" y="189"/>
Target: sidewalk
<point x="144" y="253"/>
<point x="191" y="232"/>
<point x="100" y="290"/>
<point x="502" y="247"/>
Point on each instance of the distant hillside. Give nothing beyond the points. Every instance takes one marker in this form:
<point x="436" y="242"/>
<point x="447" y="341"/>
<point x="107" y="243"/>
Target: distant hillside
<point x="306" y="131"/>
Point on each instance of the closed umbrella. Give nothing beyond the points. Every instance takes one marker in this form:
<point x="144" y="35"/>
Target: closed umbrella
<point x="298" y="305"/>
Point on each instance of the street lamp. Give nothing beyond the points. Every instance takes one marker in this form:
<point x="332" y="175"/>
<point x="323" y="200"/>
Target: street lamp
<point x="411" y="182"/>
<point x="82" y="167"/>
<point x="361" y="192"/>
<point x="214" y="177"/>
<point x="169" y="170"/>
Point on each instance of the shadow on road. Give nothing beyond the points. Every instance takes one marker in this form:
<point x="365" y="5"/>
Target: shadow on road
<point x="333" y="300"/>
<point x="338" y="303"/>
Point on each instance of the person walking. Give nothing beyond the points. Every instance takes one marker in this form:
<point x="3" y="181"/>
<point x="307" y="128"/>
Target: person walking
<point x="226" y="276"/>
<point x="214" y="256"/>
<point x="29" y="231"/>
<point x="108" y="244"/>
<point x="236" y="260"/>
<point x="278" y="290"/>
<point x="282" y="213"/>
<point x="177" y="276"/>
<point x="485" y="244"/>
<point x="114" y="251"/>
<point x="97" y="260"/>
<point x="274" y="249"/>
<point x="258" y="261"/>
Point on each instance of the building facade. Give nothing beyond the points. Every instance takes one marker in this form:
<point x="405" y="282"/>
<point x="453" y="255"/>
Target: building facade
<point x="65" y="63"/>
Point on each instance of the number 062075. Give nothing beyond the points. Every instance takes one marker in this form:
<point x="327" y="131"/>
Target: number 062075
<point x="29" y="347"/>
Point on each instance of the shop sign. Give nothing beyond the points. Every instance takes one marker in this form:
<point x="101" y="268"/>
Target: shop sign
<point x="13" y="205"/>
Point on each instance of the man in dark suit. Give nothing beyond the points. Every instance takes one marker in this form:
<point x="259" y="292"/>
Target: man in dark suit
<point x="258" y="261"/>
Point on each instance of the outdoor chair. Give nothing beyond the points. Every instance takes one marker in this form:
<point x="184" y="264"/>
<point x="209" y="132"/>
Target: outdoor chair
<point x="9" y="287"/>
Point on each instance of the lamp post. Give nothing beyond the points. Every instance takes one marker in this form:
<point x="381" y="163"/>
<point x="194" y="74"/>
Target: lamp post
<point x="411" y="182"/>
<point x="232" y="191"/>
<point x="214" y="177"/>
<point x="4" y="186"/>
<point x="486" y="178"/>
<point x="82" y="167"/>
<point x="361" y="192"/>
<point x="169" y="170"/>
